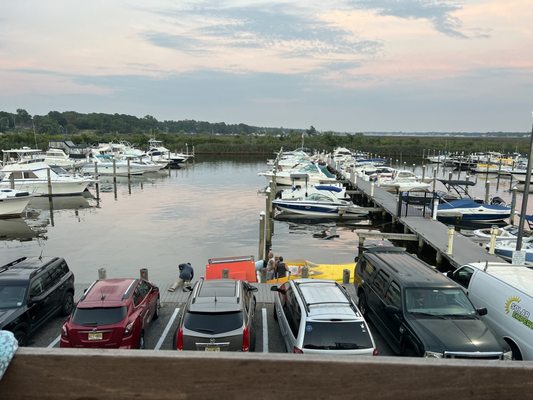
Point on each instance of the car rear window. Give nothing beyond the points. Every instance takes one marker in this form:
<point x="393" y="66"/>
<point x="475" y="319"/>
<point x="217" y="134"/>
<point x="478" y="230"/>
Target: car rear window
<point x="99" y="316"/>
<point x="213" y="323"/>
<point x="336" y="336"/>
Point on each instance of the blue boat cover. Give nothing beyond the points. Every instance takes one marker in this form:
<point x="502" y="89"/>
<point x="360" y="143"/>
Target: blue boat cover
<point x="329" y="187"/>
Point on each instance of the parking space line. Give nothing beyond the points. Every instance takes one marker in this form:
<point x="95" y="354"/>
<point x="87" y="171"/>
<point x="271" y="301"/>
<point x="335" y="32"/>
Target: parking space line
<point x="265" y="330"/>
<point x="167" y="328"/>
<point x="53" y="344"/>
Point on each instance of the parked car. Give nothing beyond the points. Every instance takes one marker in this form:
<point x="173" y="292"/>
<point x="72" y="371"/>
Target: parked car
<point x="112" y="313"/>
<point x="319" y="317"/>
<point x="507" y="293"/>
<point x="33" y="290"/>
<point x="218" y="316"/>
<point x="419" y="311"/>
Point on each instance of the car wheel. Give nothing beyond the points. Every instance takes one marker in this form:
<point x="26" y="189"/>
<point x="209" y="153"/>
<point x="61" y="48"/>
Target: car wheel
<point x="21" y="334"/>
<point x="363" y="307"/>
<point x="142" y="343"/>
<point x="157" y="307"/>
<point x="68" y="304"/>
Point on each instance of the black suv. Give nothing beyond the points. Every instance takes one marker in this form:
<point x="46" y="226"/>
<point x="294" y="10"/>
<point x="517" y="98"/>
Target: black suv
<point x="419" y="311"/>
<point x="32" y="291"/>
<point x="218" y="316"/>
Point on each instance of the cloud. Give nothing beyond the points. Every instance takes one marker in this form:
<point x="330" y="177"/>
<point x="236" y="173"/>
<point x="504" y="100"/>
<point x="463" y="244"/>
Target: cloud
<point x="439" y="12"/>
<point x="285" y="29"/>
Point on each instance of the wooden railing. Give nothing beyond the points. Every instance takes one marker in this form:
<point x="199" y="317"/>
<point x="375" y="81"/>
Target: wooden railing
<point x="39" y="373"/>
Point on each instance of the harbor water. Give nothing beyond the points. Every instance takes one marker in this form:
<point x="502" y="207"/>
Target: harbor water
<point x="209" y="208"/>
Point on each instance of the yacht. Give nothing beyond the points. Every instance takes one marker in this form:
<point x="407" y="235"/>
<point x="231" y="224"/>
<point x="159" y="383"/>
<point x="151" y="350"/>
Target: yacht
<point x="13" y="202"/>
<point x="32" y="176"/>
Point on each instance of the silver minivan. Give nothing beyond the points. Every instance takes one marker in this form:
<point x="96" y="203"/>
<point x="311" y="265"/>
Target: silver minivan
<point x="319" y="317"/>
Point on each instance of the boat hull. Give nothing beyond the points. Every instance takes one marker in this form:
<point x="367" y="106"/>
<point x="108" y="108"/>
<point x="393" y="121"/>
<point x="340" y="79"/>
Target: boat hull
<point x="13" y="206"/>
<point x="316" y="210"/>
<point x="40" y="187"/>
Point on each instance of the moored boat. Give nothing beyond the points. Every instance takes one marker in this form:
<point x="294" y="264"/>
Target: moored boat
<point x="13" y="202"/>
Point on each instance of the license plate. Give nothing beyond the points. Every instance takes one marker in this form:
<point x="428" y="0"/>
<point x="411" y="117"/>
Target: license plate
<point x="212" y="348"/>
<point x="95" y="336"/>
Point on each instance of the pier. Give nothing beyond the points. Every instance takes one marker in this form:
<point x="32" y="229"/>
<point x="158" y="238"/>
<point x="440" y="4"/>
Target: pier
<point x="448" y="244"/>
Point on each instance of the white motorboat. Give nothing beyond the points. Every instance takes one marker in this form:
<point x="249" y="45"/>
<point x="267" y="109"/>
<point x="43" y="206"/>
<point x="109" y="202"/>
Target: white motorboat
<point x="110" y="165"/>
<point x="58" y="158"/>
<point x="338" y="190"/>
<point x="506" y="248"/>
<point x="309" y="173"/>
<point x="32" y="176"/>
<point x="471" y="210"/>
<point x="13" y="202"/>
<point x="402" y="181"/>
<point x="160" y="154"/>
<point x="321" y="204"/>
<point x="507" y="232"/>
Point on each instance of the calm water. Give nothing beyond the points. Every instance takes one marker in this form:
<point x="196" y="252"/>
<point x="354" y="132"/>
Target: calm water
<point x="208" y="209"/>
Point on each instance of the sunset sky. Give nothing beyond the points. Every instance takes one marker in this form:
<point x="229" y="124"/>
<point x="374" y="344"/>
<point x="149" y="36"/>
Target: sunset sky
<point x="343" y="65"/>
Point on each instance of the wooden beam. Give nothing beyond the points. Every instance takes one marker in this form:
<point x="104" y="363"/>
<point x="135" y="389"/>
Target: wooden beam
<point x="40" y="373"/>
<point x="390" y="236"/>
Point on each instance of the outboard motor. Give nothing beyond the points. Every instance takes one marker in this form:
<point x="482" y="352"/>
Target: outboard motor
<point x="497" y="200"/>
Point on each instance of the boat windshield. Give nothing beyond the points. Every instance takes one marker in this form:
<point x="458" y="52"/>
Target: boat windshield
<point x="451" y="302"/>
<point x="320" y="197"/>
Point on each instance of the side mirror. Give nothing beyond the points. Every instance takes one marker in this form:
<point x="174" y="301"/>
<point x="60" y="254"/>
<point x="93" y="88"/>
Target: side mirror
<point x="252" y="288"/>
<point x="482" y="311"/>
<point x="274" y="288"/>
<point x="392" y="309"/>
<point x="449" y="274"/>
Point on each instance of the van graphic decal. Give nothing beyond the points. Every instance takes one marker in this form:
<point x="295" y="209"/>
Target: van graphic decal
<point x="520" y="314"/>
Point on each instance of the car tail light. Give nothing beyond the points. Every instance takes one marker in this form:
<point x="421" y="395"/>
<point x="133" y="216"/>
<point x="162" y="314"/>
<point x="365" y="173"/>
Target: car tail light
<point x="129" y="328"/>
<point x="179" y="339"/>
<point x="297" y="350"/>
<point x="64" y="331"/>
<point x="246" y="339"/>
<point x="375" y="352"/>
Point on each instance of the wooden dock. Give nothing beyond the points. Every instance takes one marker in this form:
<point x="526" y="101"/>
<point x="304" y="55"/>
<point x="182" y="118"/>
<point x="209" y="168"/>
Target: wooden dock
<point x="430" y="232"/>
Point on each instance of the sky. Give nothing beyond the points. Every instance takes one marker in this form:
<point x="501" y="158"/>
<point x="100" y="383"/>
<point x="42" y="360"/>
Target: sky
<point x="340" y="65"/>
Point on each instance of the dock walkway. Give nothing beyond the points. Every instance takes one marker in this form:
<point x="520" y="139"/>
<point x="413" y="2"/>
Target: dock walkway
<point x="432" y="232"/>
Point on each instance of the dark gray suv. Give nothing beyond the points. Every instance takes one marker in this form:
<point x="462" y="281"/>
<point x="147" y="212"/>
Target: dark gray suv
<point x="32" y="291"/>
<point x="218" y="316"/>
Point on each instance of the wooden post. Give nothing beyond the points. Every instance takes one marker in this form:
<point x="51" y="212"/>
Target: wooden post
<point x="423" y="172"/>
<point x="346" y="276"/>
<point x="129" y="168"/>
<point x="225" y="273"/>
<point x="492" y="243"/>
<point x="420" y="244"/>
<point x="466" y="186"/>
<point x="450" y="175"/>
<point x="487" y="190"/>
<point x="435" y="171"/>
<point x="12" y="181"/>
<point x="144" y="273"/>
<point x="97" y="184"/>
<point x="438" y="162"/>
<point x="305" y="271"/>
<point x="49" y="179"/>
<point x="513" y="205"/>
<point x="114" y="170"/>
<point x="261" y="253"/>
<point x="102" y="274"/>
<point x="451" y="232"/>
<point x="499" y="174"/>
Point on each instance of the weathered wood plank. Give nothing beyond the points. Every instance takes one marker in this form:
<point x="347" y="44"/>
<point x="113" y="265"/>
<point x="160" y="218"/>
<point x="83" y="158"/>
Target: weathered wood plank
<point x="111" y="374"/>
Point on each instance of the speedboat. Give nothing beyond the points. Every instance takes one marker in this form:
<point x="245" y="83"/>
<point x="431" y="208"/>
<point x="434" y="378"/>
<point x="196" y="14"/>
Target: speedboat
<point x="160" y="154"/>
<point x="13" y="202"/>
<point x="402" y="181"/>
<point x="505" y="249"/>
<point x="32" y="176"/>
<point x="507" y="232"/>
<point x="319" y="204"/>
<point x="468" y="209"/>
<point x="338" y="190"/>
<point x="313" y="173"/>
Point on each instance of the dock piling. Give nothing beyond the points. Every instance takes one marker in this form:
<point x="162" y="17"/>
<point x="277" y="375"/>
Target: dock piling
<point x="346" y="276"/>
<point x="492" y="242"/>
<point x="102" y="274"/>
<point x="143" y="273"/>
<point x="451" y="233"/>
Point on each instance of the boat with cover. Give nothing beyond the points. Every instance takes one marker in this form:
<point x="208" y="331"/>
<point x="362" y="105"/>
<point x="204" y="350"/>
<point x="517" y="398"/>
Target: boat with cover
<point x="13" y="202"/>
<point x="309" y="172"/>
<point x="32" y="176"/>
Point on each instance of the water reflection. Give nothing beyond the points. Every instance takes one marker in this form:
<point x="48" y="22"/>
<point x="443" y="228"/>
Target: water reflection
<point x="18" y="229"/>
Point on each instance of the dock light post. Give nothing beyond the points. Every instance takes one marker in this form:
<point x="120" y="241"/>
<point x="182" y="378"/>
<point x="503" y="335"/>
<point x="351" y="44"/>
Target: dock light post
<point x="523" y="210"/>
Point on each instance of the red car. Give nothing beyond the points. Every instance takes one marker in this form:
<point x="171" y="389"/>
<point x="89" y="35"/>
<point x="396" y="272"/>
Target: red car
<point x="113" y="313"/>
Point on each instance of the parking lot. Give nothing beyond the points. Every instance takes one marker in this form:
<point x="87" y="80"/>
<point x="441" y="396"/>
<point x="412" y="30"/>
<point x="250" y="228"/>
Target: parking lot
<point x="160" y="334"/>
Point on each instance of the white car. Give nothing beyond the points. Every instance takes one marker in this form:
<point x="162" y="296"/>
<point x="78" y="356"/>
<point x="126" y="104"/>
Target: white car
<point x="319" y="317"/>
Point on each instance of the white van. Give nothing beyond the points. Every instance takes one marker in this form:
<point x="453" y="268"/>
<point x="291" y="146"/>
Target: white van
<point x="507" y="293"/>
